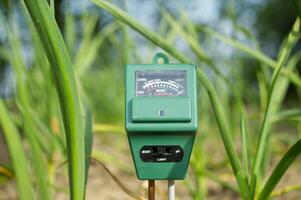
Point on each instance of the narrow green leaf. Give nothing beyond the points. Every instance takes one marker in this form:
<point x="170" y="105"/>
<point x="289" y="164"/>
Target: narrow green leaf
<point x="134" y="24"/>
<point x="263" y="90"/>
<point x="253" y="184"/>
<point x="89" y="48"/>
<point x="88" y="138"/>
<point x="69" y="32"/>
<point x="191" y="28"/>
<point x="289" y="43"/>
<point x="41" y="64"/>
<point x="52" y="7"/>
<point x="283" y="82"/>
<point x="285" y="190"/>
<point x="17" y="155"/>
<point x="31" y="132"/>
<point x="244" y="144"/>
<point x="254" y="53"/>
<point x="280" y="169"/>
<point x="224" y="131"/>
<point x="61" y="67"/>
<point x="291" y="114"/>
<point x="221" y="120"/>
<point x="192" y="42"/>
<point x="243" y="185"/>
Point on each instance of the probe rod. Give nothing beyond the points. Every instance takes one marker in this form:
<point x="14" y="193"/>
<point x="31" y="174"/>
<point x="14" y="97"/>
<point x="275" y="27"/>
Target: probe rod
<point x="171" y="190"/>
<point x="151" y="189"/>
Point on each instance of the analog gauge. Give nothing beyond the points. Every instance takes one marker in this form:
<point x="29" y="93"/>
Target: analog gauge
<point x="161" y="83"/>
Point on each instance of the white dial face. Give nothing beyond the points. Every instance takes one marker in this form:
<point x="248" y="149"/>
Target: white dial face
<point x="161" y="83"/>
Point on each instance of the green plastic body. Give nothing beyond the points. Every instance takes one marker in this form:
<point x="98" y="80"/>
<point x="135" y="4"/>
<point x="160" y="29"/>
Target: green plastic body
<point x="177" y="109"/>
<point x="145" y="126"/>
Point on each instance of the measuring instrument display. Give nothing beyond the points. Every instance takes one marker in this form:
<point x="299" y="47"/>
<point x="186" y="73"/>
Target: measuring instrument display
<point x="161" y="83"/>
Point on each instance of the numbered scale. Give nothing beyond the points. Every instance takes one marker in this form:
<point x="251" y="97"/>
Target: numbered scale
<point x="161" y="83"/>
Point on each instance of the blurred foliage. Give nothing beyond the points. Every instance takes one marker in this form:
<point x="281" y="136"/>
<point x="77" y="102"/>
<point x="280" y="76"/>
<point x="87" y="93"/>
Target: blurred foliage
<point x="238" y="49"/>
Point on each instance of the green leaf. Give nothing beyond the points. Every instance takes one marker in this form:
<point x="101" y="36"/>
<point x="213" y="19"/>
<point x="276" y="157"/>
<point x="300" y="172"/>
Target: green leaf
<point x="263" y="89"/>
<point x="88" y="138"/>
<point x="69" y="32"/>
<point x="280" y="169"/>
<point x="89" y="48"/>
<point x="66" y="87"/>
<point x="253" y="184"/>
<point x="243" y="185"/>
<point x="134" y="24"/>
<point x="225" y="133"/>
<point x="291" y="114"/>
<point x="244" y="144"/>
<point x="192" y="42"/>
<point x="31" y="120"/>
<point x="283" y="82"/>
<point x="17" y="155"/>
<point x="252" y="52"/>
<point x="289" y="44"/>
<point x="31" y="132"/>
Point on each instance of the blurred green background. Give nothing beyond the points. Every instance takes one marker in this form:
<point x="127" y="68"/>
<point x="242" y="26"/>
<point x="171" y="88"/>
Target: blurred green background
<point x="101" y="46"/>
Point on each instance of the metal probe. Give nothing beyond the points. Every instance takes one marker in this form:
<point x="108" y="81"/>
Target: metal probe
<point x="171" y="190"/>
<point x="151" y="190"/>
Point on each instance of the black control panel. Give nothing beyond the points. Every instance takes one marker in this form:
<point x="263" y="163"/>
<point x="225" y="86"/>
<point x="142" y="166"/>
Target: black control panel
<point x="163" y="153"/>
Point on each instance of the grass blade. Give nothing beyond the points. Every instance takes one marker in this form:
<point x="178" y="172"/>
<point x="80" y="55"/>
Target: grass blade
<point x="244" y="144"/>
<point x="221" y="120"/>
<point x="280" y="169"/>
<point x="192" y="42"/>
<point x="17" y="154"/>
<point x="283" y="82"/>
<point x="254" y="53"/>
<point x="134" y="24"/>
<point x="61" y="67"/>
<point x="69" y="32"/>
<point x="89" y="48"/>
<point x="31" y="132"/>
<point x="291" y="114"/>
<point x="88" y="139"/>
<point x="289" y="43"/>
<point x="285" y="190"/>
<point x="225" y="133"/>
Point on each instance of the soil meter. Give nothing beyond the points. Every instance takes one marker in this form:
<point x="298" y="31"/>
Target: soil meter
<point x="161" y="117"/>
